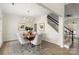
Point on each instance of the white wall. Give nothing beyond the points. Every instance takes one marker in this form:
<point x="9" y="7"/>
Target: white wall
<point x="10" y="26"/>
<point x="10" y="23"/>
<point x="61" y="31"/>
<point x="39" y="21"/>
<point x="51" y="35"/>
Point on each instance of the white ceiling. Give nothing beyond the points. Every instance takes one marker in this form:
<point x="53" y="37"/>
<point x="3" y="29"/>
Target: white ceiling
<point x="22" y="8"/>
<point x="57" y="8"/>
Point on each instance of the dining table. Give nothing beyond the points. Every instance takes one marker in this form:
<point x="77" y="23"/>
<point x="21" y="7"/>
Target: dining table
<point x="29" y="36"/>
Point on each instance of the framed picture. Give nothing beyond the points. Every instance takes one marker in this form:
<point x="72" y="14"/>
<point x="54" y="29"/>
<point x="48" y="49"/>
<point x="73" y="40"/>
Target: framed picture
<point x="42" y="26"/>
<point x="21" y="27"/>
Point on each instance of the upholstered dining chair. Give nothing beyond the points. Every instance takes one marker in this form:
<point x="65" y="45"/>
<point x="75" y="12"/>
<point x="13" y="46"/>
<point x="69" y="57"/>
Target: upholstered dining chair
<point x="37" y="39"/>
<point x="21" y="39"/>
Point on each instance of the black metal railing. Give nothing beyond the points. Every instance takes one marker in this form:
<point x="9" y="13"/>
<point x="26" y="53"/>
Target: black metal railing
<point x="57" y="23"/>
<point x="53" y="20"/>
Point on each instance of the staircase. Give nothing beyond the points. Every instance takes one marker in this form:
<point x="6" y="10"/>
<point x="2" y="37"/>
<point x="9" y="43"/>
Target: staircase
<point x="68" y="34"/>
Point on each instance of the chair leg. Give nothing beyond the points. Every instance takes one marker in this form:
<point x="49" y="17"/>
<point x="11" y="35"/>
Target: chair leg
<point x="33" y="45"/>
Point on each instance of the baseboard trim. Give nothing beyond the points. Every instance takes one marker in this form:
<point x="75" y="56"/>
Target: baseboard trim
<point x="9" y="41"/>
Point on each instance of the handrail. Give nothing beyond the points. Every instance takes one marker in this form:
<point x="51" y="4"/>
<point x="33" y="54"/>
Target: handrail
<point x="56" y="22"/>
<point x="52" y="18"/>
<point x="68" y="29"/>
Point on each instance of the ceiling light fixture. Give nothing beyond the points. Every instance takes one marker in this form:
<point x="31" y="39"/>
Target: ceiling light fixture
<point x="27" y="15"/>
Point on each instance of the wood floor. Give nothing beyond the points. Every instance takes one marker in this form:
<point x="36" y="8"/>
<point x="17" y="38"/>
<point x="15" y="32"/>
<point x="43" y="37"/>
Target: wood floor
<point x="14" y="48"/>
